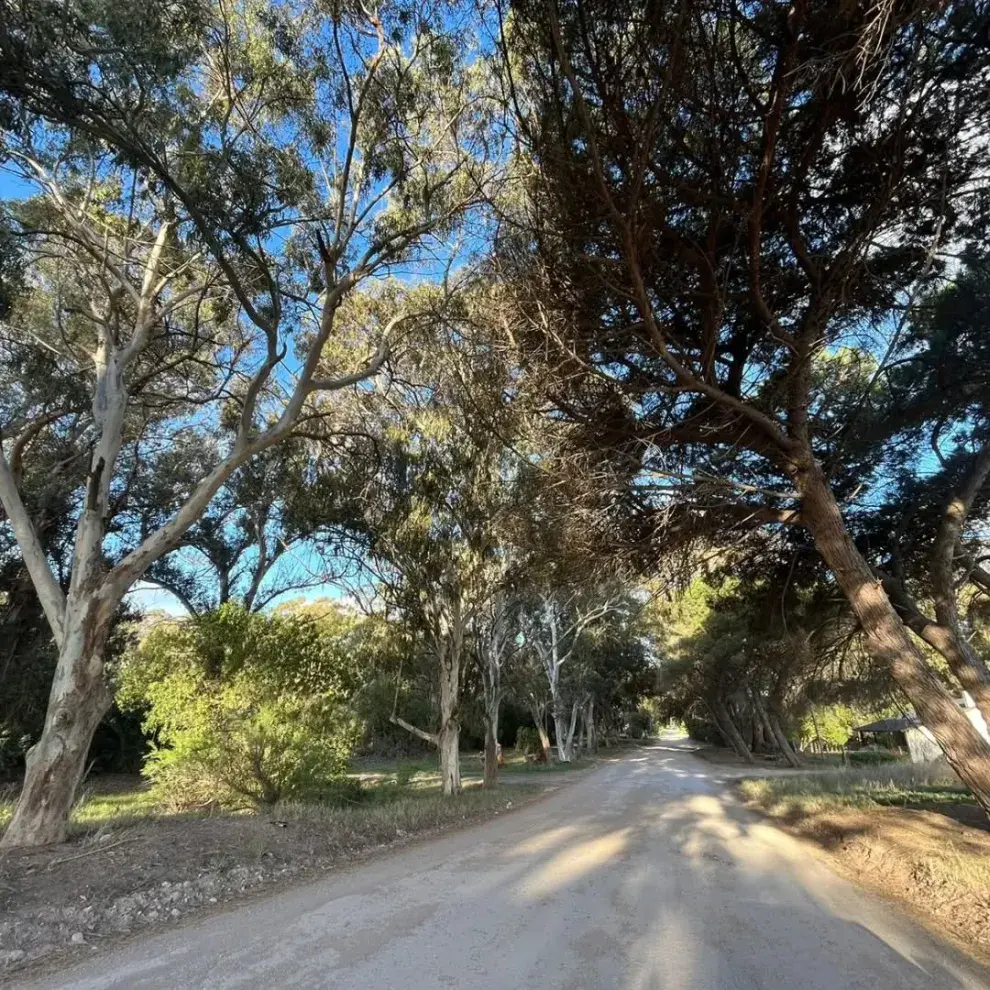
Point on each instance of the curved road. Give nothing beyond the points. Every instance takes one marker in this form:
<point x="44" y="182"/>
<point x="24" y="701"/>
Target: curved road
<point x="641" y="875"/>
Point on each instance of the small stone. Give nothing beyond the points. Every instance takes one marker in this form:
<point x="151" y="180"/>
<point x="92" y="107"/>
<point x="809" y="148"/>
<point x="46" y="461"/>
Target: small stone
<point x="213" y="900"/>
<point x="78" y="938"/>
<point x="174" y="912"/>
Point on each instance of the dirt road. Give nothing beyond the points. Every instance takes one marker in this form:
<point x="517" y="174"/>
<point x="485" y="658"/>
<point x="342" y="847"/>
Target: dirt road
<point x="640" y="876"/>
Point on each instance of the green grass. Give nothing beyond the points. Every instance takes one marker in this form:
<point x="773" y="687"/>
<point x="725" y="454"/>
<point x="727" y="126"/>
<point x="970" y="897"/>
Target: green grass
<point x="96" y="807"/>
<point x="424" y="770"/>
<point x="860" y="787"/>
<point x="400" y="792"/>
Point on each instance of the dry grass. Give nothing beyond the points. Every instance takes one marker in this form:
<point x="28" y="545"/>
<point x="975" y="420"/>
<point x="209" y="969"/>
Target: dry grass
<point x="911" y="833"/>
<point x="903" y="784"/>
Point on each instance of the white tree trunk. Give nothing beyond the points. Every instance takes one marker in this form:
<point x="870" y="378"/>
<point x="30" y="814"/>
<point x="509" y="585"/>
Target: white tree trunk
<point x="560" y="731"/>
<point x="491" y="741"/>
<point x="449" y="736"/>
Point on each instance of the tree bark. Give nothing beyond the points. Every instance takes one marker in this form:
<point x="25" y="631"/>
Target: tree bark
<point x="591" y="741"/>
<point x="56" y="763"/>
<point x="790" y="753"/>
<point x="946" y="638"/>
<point x="771" y="726"/>
<point x="575" y="711"/>
<point x="565" y="730"/>
<point x="728" y="729"/>
<point x="450" y="729"/>
<point x="560" y="732"/>
<point x="491" y="749"/>
<point x="889" y="640"/>
<point x="538" y="715"/>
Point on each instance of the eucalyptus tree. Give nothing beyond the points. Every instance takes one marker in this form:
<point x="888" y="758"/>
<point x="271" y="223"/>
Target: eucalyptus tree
<point x="552" y="627"/>
<point x="721" y="193"/>
<point x="495" y="640"/>
<point x="215" y="182"/>
<point x="423" y="509"/>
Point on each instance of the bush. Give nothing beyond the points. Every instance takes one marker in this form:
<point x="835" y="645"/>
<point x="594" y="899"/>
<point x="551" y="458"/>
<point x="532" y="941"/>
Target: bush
<point x="872" y="757"/>
<point x="528" y="740"/>
<point x="244" y="708"/>
<point x="703" y="730"/>
<point x="639" y="725"/>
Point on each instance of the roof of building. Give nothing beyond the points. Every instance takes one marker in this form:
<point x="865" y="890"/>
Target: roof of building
<point x="901" y="724"/>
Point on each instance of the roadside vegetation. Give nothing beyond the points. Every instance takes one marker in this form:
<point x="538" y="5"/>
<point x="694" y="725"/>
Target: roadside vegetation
<point x="911" y="832"/>
<point x="892" y="784"/>
<point x="391" y="381"/>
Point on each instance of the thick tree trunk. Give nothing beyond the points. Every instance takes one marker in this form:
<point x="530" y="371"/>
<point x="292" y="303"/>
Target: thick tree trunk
<point x="565" y="731"/>
<point x="966" y="664"/>
<point x="560" y="731"/>
<point x="947" y="638"/>
<point x="449" y="735"/>
<point x="771" y="726"/>
<point x="790" y="753"/>
<point x="538" y="715"/>
<point x="759" y="737"/>
<point x="56" y="763"/>
<point x="728" y="729"/>
<point x="541" y="731"/>
<point x="889" y="640"/>
<point x="591" y="740"/>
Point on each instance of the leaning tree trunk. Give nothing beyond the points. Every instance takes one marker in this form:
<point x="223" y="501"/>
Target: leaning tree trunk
<point x="790" y="753"/>
<point x="541" y="731"/>
<point x="538" y="714"/>
<point x="56" y="763"/>
<point x="772" y="727"/>
<point x="889" y="640"/>
<point x="449" y="736"/>
<point x="723" y="720"/>
<point x="79" y="696"/>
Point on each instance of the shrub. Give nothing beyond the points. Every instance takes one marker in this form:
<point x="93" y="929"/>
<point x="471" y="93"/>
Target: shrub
<point x="244" y="708"/>
<point x="873" y="757"/>
<point x="639" y="725"/>
<point x="528" y="740"/>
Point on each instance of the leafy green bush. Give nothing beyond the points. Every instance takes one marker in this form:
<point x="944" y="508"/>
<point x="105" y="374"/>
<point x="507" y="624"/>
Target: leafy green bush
<point x="244" y="708"/>
<point x="528" y="740"/>
<point x="872" y="757"/>
<point x="640" y="725"/>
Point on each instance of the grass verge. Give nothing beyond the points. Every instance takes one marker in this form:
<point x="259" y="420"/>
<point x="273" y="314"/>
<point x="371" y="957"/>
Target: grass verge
<point x="896" y="784"/>
<point x="910" y="833"/>
<point x="128" y="865"/>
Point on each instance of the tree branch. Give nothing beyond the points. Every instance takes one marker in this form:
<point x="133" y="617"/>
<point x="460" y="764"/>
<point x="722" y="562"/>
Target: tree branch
<point x="48" y="589"/>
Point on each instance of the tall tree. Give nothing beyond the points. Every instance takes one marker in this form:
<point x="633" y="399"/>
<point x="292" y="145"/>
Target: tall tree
<point x="426" y="507"/>
<point x="724" y="193"/>
<point x="217" y="183"/>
